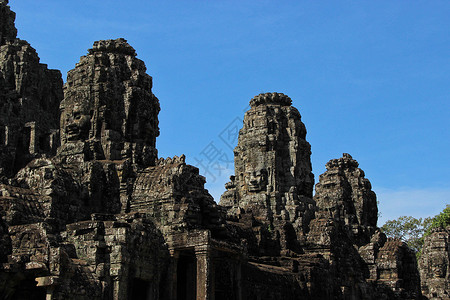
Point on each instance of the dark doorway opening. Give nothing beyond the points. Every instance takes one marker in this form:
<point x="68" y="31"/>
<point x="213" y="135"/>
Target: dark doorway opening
<point x="44" y="143"/>
<point x="141" y="290"/>
<point x="23" y="149"/>
<point x="28" y="290"/>
<point x="187" y="276"/>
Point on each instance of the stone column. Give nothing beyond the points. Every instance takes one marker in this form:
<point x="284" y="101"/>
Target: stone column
<point x="205" y="284"/>
<point x="120" y="288"/>
<point x="239" y="279"/>
<point x="32" y="148"/>
<point x="172" y="275"/>
<point x="49" y="293"/>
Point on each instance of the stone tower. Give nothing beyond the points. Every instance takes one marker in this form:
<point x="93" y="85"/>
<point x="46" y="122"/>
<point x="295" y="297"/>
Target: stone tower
<point x="109" y="111"/>
<point x="8" y="31"/>
<point x="347" y="196"/>
<point x="30" y="94"/>
<point x="108" y="130"/>
<point x="273" y="180"/>
<point x="361" y="260"/>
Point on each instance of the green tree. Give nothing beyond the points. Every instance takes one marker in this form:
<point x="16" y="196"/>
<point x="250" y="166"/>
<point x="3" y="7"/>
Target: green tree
<point x="412" y="231"/>
<point x="441" y="220"/>
<point x="408" y="229"/>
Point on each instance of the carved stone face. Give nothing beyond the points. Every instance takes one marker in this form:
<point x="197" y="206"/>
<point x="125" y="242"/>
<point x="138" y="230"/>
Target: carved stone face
<point x="438" y="270"/>
<point x="148" y="125"/>
<point x="256" y="180"/>
<point x="147" y="131"/>
<point x="77" y="122"/>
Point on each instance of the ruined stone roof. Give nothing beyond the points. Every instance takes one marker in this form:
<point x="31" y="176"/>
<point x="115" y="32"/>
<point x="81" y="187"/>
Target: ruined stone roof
<point x="119" y="45"/>
<point x="271" y="98"/>
<point x="346" y="162"/>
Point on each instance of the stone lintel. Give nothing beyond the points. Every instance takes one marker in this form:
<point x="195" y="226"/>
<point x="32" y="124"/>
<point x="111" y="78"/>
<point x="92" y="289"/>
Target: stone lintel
<point x="189" y="240"/>
<point x="47" y="280"/>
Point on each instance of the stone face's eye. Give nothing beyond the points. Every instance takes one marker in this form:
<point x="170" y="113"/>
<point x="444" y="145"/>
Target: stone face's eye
<point x="76" y="115"/>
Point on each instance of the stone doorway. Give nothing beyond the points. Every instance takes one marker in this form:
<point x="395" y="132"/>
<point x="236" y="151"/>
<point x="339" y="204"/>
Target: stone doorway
<point x="187" y="276"/>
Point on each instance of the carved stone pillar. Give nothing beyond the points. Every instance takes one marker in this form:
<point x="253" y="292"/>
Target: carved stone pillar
<point x="32" y="148"/>
<point x="239" y="280"/>
<point x="172" y="275"/>
<point x="120" y="289"/>
<point x="49" y="293"/>
<point x="205" y="280"/>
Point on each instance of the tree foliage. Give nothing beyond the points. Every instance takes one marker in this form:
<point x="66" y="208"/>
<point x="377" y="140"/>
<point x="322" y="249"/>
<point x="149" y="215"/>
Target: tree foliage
<point x="412" y="231"/>
<point x="408" y="229"/>
<point x="441" y="220"/>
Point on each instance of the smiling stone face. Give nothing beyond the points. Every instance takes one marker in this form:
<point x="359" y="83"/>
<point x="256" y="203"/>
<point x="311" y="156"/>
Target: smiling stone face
<point x="77" y="122"/>
<point x="256" y="180"/>
<point x="109" y="111"/>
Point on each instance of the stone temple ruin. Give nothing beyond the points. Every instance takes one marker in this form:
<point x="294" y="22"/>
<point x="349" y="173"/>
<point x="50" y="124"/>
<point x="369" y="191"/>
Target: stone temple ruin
<point x="89" y="211"/>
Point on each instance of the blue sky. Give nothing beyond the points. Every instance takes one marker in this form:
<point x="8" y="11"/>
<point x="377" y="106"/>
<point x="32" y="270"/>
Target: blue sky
<point x="370" y="78"/>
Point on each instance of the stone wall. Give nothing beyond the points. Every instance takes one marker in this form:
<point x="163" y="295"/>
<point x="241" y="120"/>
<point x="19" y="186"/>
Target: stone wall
<point x="173" y="192"/>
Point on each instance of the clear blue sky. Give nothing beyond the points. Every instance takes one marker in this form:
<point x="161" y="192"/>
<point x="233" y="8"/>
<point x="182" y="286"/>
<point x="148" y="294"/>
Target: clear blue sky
<point x="370" y="78"/>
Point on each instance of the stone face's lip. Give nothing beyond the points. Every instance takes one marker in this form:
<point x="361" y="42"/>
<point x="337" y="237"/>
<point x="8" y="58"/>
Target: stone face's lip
<point x="271" y="98"/>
